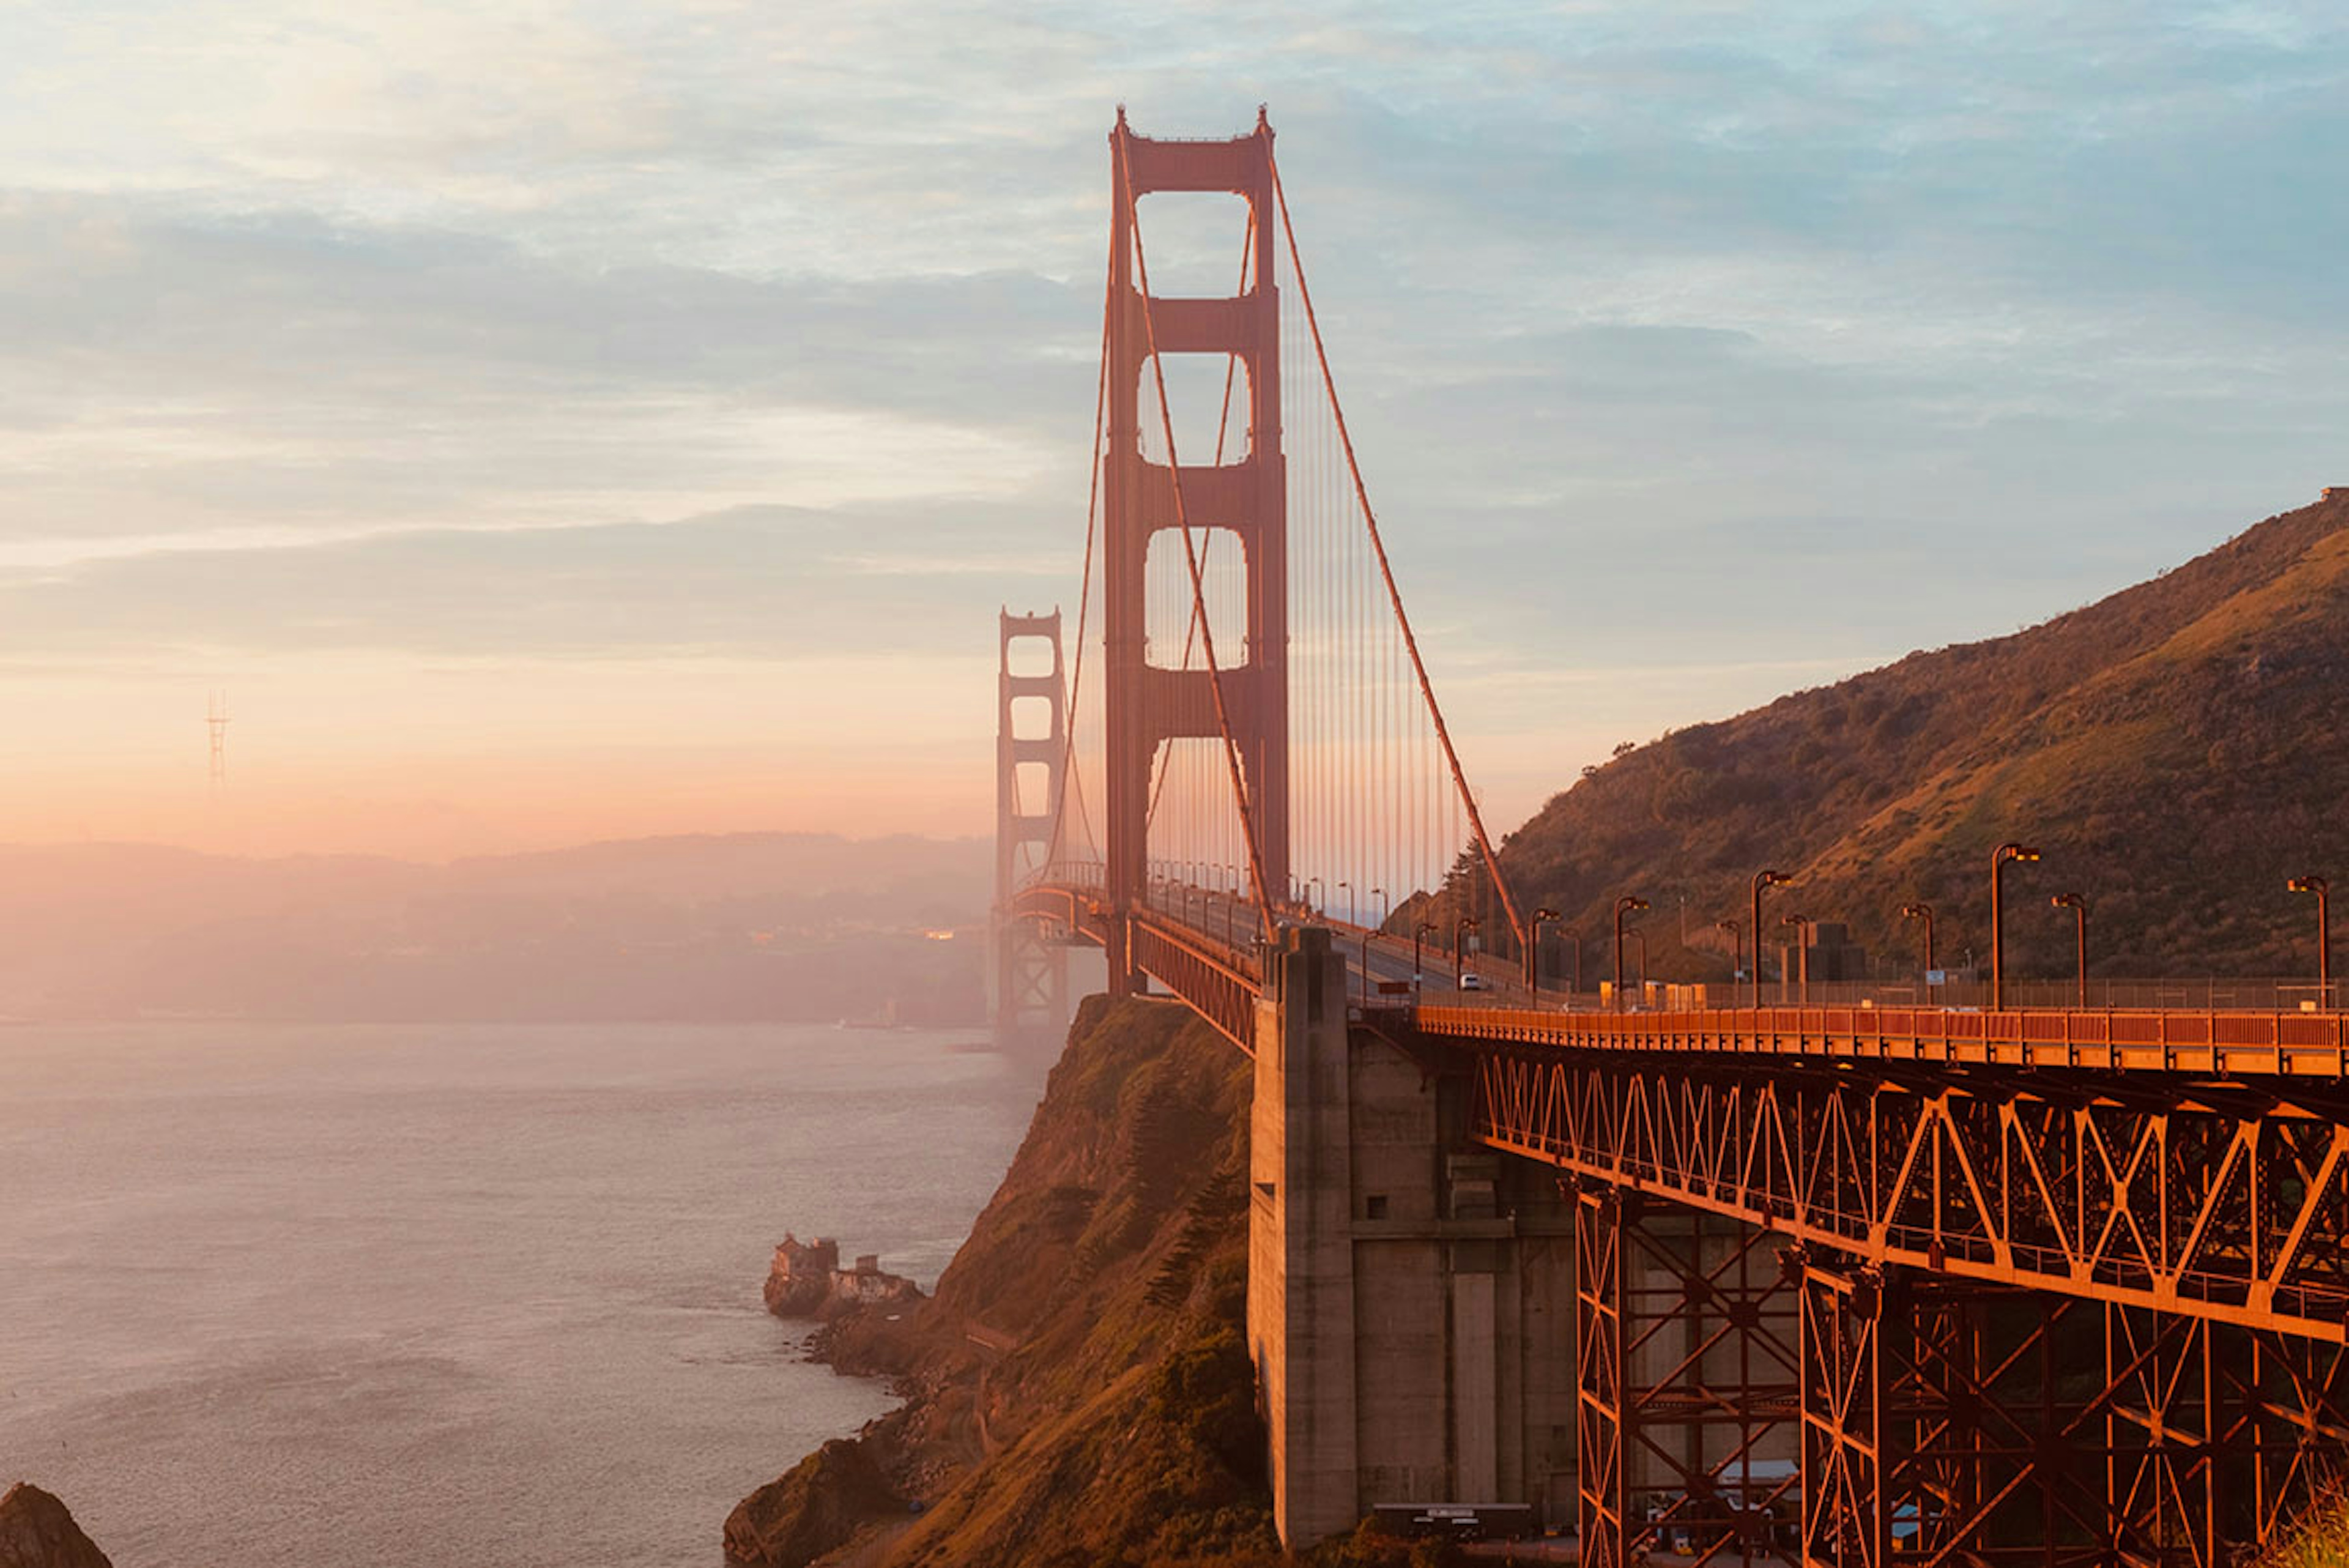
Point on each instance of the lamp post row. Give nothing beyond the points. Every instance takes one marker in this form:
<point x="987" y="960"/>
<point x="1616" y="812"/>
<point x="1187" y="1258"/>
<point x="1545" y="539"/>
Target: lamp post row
<point x="2006" y="854"/>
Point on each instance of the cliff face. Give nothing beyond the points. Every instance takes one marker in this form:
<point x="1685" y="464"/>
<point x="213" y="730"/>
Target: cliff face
<point x="1079" y="1389"/>
<point x="37" y="1531"/>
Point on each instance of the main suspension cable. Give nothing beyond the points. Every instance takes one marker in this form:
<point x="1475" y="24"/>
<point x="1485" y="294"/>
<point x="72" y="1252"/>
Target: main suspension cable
<point x="1386" y="571"/>
<point x="1223" y="427"/>
<point x="1084" y="591"/>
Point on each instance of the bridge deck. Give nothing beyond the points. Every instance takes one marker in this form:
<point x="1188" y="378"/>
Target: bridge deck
<point x="2224" y="1044"/>
<point x="1215" y="970"/>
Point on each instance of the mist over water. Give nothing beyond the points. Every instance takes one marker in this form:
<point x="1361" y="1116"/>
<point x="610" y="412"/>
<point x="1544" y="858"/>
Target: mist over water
<point x="395" y="1295"/>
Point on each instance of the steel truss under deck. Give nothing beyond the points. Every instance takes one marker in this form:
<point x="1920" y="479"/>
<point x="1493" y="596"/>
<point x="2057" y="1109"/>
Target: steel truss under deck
<point x="2049" y="1317"/>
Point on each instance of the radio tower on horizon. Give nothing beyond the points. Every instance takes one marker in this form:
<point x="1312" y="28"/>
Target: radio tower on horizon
<point x="216" y="720"/>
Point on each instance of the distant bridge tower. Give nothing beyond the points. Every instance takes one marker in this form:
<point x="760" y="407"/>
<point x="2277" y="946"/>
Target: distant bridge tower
<point x="216" y="721"/>
<point x="1032" y="965"/>
<point x="1148" y="705"/>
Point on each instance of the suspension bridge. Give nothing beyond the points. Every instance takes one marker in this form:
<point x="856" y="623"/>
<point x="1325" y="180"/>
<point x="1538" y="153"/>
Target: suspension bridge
<point x="1735" y="1276"/>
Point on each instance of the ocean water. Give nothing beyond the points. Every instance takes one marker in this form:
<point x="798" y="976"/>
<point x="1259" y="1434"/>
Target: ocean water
<point x="289" y="1297"/>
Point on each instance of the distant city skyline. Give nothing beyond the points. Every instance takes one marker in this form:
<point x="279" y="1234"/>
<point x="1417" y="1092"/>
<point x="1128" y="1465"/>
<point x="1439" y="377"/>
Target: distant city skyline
<point x="556" y="421"/>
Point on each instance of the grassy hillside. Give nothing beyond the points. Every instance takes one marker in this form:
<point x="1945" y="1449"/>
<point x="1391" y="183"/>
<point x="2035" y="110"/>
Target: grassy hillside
<point x="2177" y="751"/>
<point x="1080" y="1390"/>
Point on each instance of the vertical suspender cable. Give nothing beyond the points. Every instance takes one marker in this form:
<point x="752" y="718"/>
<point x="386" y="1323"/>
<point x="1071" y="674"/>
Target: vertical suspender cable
<point x="1058" y="842"/>
<point x="1378" y="546"/>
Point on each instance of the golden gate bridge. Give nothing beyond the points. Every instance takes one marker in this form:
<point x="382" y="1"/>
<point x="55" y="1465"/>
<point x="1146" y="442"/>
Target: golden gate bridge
<point x="2003" y="1284"/>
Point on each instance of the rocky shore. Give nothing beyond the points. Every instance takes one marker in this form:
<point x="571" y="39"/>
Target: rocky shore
<point x="36" y="1530"/>
<point x="806" y="1280"/>
<point x="1077" y="1389"/>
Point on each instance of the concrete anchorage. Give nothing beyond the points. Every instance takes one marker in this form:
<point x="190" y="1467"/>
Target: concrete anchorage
<point x="1411" y="1300"/>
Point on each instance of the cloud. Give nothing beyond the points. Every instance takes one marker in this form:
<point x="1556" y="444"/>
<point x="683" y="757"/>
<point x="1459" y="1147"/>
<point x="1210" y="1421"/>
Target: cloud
<point x="571" y="328"/>
<point x="176" y="373"/>
<point x="758" y="582"/>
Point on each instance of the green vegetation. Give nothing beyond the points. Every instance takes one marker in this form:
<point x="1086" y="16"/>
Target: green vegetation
<point x="2177" y="749"/>
<point x="2322" y="1539"/>
<point x="1080" y="1388"/>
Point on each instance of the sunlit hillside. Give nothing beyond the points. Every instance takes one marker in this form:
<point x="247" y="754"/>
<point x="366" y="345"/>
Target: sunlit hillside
<point x="2178" y="750"/>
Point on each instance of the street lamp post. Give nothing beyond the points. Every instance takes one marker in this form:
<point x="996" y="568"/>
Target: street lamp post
<point x="2324" y="891"/>
<point x="1313" y="886"/>
<point x="1998" y="859"/>
<point x="1418" y="935"/>
<point x="1802" y="924"/>
<point x="1460" y="930"/>
<point x="1923" y="912"/>
<point x="1623" y="905"/>
<point x="1762" y="880"/>
<point x="2079" y="907"/>
<point x="1351" y="913"/>
<point x="1533" y="949"/>
<point x="1736" y="946"/>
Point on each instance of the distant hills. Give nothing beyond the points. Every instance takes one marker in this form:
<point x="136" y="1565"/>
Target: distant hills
<point x="738" y="926"/>
<point x="2177" y="751"/>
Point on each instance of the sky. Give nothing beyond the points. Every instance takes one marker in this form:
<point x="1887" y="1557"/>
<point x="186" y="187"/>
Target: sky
<point x="546" y="421"/>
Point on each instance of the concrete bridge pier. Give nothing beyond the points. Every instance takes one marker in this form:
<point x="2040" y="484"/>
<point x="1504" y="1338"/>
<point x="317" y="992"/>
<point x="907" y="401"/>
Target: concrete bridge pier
<point x="1411" y="1298"/>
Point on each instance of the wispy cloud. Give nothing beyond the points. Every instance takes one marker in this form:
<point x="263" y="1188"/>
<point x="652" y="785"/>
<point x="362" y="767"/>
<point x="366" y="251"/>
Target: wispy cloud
<point x="1680" y="338"/>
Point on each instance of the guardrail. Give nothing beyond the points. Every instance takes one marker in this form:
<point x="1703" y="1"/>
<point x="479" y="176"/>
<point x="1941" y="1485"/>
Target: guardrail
<point x="2227" y="1043"/>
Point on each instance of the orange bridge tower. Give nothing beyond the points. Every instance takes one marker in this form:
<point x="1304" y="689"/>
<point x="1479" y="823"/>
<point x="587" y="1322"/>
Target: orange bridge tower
<point x="1156" y="695"/>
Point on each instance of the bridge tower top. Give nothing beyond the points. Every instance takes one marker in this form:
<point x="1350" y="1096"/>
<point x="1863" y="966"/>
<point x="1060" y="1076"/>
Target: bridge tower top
<point x="1234" y="697"/>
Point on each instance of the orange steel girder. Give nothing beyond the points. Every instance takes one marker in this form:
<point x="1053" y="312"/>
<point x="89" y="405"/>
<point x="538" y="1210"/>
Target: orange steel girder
<point x="1214" y="979"/>
<point x="1671" y="1348"/>
<point x="1146" y="706"/>
<point x="2226" y="1201"/>
<point x="1945" y="1421"/>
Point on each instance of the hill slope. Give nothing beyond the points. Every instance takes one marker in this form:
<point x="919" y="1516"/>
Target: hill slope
<point x="1080" y="1392"/>
<point x="2177" y="751"/>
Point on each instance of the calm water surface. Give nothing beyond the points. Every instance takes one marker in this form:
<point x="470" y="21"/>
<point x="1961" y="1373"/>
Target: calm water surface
<point x="301" y="1296"/>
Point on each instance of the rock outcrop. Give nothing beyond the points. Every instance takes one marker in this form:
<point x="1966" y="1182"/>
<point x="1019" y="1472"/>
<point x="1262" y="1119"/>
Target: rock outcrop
<point x="38" y="1531"/>
<point x="1078" y="1390"/>
<point x="806" y="1280"/>
<point x="825" y="1500"/>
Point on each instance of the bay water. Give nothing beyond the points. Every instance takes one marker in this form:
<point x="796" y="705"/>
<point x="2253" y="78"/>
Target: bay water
<point x="304" y="1297"/>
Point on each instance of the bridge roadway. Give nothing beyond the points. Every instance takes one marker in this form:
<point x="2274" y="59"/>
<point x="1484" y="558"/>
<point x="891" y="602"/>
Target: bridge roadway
<point x="2190" y="1161"/>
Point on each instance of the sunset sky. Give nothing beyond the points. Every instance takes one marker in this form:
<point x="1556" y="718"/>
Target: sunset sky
<point x="548" y="421"/>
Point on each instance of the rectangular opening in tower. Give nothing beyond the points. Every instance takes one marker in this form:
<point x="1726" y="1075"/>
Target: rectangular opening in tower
<point x="1027" y="656"/>
<point x="1031" y="718"/>
<point x="1207" y="399"/>
<point x="1195" y="242"/>
<point x="1170" y="626"/>
<point x="1029" y="857"/>
<point x="1031" y="788"/>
